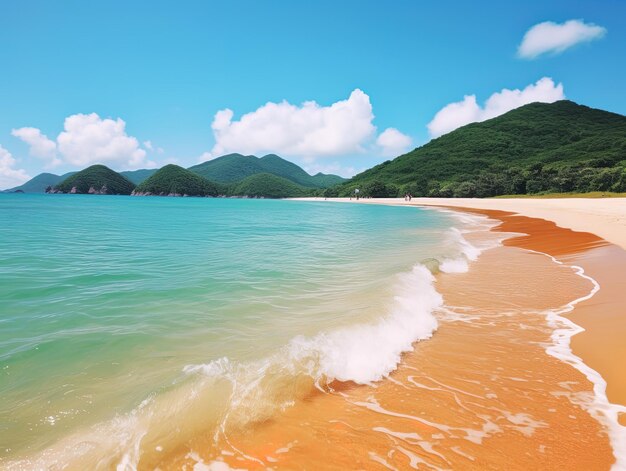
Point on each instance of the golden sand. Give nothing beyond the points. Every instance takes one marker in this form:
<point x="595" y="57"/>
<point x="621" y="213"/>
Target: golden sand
<point x="603" y="317"/>
<point x="481" y="394"/>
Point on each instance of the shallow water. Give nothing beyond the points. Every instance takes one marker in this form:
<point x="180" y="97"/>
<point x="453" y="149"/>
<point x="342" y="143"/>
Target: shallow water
<point x="111" y="305"/>
<point x="209" y="334"/>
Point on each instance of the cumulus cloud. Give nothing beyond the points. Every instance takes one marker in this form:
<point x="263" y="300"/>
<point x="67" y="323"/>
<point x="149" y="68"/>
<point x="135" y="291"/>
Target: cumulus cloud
<point x="467" y="111"/>
<point x="392" y="142"/>
<point x="309" y="130"/>
<point x="206" y="156"/>
<point x="333" y="168"/>
<point x="10" y="176"/>
<point x="87" y="139"/>
<point x="550" y="37"/>
<point x="40" y="145"/>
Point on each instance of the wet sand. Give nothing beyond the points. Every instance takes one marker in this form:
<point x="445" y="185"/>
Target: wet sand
<point x="483" y="393"/>
<point x="603" y="317"/>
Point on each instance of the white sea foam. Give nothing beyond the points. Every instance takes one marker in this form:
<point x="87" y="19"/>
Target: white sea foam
<point x="362" y="353"/>
<point x="369" y="352"/>
<point x="464" y="252"/>
<point x="598" y="405"/>
<point x="454" y="265"/>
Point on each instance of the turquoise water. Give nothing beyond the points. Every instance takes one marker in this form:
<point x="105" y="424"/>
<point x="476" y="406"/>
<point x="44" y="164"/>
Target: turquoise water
<point x="106" y="301"/>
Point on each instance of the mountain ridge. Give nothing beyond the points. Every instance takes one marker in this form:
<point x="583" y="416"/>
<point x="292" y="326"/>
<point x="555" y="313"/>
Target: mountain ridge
<point x="231" y="168"/>
<point x="539" y="147"/>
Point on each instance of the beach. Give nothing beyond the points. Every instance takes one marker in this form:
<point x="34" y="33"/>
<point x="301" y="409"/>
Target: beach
<point x="590" y="233"/>
<point x="523" y="371"/>
<point x="455" y="337"/>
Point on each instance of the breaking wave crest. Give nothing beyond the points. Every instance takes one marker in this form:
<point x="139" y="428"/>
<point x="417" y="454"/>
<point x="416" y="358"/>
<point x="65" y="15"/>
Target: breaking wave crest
<point x="225" y="395"/>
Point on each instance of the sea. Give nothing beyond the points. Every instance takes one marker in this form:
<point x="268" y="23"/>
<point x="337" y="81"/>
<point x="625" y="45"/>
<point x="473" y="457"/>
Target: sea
<point x="185" y="333"/>
<point x="111" y="303"/>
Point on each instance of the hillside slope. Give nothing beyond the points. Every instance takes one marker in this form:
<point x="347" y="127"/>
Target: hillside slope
<point x="97" y="179"/>
<point x="266" y="185"/>
<point x="536" y="148"/>
<point x="39" y="183"/>
<point x="233" y="168"/>
<point x="173" y="180"/>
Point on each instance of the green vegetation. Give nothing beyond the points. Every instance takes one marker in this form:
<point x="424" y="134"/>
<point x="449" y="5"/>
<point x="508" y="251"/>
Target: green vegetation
<point x="233" y="168"/>
<point x="138" y="176"/>
<point x="175" y="180"/>
<point x="591" y="194"/>
<point x="324" y="180"/>
<point x="96" y="179"/>
<point x="39" y="183"/>
<point x="537" y="148"/>
<point x="266" y="185"/>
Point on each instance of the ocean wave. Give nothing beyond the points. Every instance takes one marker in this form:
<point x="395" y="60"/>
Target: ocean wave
<point x="362" y="353"/>
<point x="225" y="394"/>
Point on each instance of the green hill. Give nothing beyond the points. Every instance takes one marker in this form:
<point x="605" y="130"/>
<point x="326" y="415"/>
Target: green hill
<point x="323" y="180"/>
<point x="176" y="181"/>
<point x="558" y="147"/>
<point x="39" y="183"/>
<point x="228" y="168"/>
<point x="138" y="176"/>
<point x="96" y="179"/>
<point x="266" y="185"/>
<point x="235" y="167"/>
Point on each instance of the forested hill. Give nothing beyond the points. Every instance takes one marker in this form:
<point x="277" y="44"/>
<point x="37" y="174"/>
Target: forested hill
<point x="173" y="180"/>
<point x="39" y="183"/>
<point x="557" y="147"/>
<point x="97" y="180"/>
<point x="235" y="167"/>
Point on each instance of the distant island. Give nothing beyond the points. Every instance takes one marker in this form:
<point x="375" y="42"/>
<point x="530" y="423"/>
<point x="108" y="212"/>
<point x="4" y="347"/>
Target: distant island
<point x="173" y="180"/>
<point x="232" y="175"/>
<point x="536" y="149"/>
<point x="94" y="180"/>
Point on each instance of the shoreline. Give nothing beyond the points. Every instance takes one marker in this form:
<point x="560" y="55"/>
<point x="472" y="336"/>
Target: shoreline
<point x="572" y="234"/>
<point x="588" y="235"/>
<point x="494" y="385"/>
<point x="604" y="217"/>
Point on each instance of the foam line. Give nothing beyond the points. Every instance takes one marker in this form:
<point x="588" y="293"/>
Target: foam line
<point x="601" y="409"/>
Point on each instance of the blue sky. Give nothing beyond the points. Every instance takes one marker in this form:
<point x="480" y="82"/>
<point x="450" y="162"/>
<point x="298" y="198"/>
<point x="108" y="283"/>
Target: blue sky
<point x="167" y="68"/>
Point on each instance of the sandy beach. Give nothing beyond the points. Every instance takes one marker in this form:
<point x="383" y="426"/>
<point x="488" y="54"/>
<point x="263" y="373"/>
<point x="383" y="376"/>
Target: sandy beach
<point x="521" y="369"/>
<point x="604" y="217"/>
<point x="590" y="233"/>
<point x="522" y="373"/>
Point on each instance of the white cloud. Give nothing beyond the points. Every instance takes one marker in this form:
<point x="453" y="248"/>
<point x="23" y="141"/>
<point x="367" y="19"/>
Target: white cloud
<point x="555" y="38"/>
<point x="40" y="145"/>
<point x="89" y="139"/>
<point x="308" y="131"/>
<point x="392" y="142"/>
<point x="10" y="176"/>
<point x="460" y="113"/>
<point x="332" y="168"/>
<point x="150" y="146"/>
<point x="206" y="156"/>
